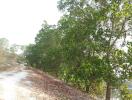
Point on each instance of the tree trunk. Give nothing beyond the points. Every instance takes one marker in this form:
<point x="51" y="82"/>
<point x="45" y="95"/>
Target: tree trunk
<point x="108" y="92"/>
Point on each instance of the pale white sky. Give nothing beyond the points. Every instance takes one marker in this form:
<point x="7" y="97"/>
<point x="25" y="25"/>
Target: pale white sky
<point x="20" y="20"/>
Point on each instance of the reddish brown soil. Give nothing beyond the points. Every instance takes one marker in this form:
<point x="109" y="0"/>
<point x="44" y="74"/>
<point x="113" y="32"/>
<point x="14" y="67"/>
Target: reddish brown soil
<point x="42" y="82"/>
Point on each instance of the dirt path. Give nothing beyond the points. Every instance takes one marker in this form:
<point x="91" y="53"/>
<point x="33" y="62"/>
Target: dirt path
<point x="19" y="83"/>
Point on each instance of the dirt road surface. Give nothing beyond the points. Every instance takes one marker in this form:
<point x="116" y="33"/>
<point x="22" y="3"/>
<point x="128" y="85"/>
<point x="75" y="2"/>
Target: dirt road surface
<point x="19" y="83"/>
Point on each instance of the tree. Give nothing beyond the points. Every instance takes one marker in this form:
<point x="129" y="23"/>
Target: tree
<point x="46" y="52"/>
<point x="14" y="48"/>
<point x="107" y="25"/>
<point x="4" y="43"/>
<point x="3" y="49"/>
<point x="85" y="45"/>
<point x="79" y="47"/>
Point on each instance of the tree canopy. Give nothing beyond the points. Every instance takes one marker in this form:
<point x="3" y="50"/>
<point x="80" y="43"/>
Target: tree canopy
<point x="85" y="48"/>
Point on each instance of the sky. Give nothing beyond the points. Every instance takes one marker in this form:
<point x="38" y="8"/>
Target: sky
<point x="20" y="20"/>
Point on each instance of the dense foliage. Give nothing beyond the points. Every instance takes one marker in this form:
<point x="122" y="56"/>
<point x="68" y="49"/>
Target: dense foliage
<point x="85" y="49"/>
<point x="46" y="53"/>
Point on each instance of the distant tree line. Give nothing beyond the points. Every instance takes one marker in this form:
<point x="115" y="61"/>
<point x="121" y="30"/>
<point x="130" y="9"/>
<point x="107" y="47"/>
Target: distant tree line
<point x="9" y="51"/>
<point x="85" y="48"/>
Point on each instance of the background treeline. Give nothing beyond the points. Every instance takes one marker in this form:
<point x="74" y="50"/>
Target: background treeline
<point x="86" y="47"/>
<point x="10" y="52"/>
